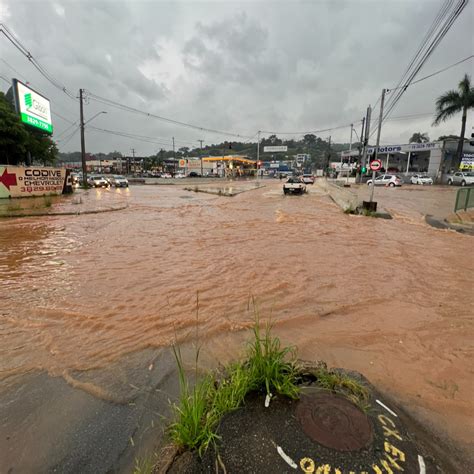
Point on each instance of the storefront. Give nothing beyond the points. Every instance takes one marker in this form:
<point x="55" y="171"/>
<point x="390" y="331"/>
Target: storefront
<point x="231" y="166"/>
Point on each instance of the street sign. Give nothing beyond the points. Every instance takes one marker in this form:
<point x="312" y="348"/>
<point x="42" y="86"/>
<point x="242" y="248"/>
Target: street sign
<point x="275" y="149"/>
<point x="375" y="165"/>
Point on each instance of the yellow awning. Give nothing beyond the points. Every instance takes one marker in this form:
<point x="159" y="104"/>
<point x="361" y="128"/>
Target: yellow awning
<point x="237" y="158"/>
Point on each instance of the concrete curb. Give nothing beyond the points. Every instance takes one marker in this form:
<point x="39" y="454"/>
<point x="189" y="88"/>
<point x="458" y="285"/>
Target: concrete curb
<point x="65" y="213"/>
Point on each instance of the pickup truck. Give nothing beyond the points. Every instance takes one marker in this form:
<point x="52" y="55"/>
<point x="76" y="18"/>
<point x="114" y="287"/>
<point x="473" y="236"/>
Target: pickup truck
<point x="463" y="178"/>
<point x="294" y="185"/>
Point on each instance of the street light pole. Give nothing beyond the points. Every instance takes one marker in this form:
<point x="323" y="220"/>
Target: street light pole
<point x="174" y="157"/>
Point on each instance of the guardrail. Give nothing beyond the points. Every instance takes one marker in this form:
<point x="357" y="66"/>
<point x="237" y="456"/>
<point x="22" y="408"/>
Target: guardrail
<point x="464" y="199"/>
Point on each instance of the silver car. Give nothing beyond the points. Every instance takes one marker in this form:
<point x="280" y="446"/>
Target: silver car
<point x="118" y="181"/>
<point x="421" y="179"/>
<point x="462" y="178"/>
<point x="391" y="180"/>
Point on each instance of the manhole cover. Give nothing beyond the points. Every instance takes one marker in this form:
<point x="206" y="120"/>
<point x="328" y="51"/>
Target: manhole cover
<point x="333" y="421"/>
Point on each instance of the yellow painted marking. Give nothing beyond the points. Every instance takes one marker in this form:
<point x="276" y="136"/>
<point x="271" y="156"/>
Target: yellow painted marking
<point x="389" y="448"/>
<point x="391" y="432"/>
<point x="337" y="471"/>
<point x="386" y="466"/>
<point x="325" y="469"/>
<point x="307" y="465"/>
<point x="377" y="469"/>
<point x="394" y="463"/>
<point x="385" y="419"/>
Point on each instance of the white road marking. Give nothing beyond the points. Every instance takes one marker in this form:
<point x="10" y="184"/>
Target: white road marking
<point x="421" y="462"/>
<point x="386" y="408"/>
<point x="286" y="458"/>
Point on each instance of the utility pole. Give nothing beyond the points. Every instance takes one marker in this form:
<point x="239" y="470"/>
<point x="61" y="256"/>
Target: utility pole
<point x="258" y="153"/>
<point x="202" y="171"/>
<point x="382" y="101"/>
<point x="366" y="136"/>
<point x="83" y="141"/>
<point x="129" y="167"/>
<point x="359" y="178"/>
<point x="174" y="157"/>
<point x="329" y="156"/>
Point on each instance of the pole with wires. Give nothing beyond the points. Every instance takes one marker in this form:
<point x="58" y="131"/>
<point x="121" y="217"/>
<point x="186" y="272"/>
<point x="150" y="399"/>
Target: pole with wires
<point x="361" y="140"/>
<point x="379" y="129"/>
<point x="200" y="151"/>
<point x="366" y="136"/>
<point x="83" y="141"/>
<point x="174" y="157"/>
<point x="258" y="154"/>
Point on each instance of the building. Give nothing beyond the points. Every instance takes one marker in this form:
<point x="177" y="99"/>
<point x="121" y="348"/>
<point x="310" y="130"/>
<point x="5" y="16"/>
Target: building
<point x="432" y="158"/>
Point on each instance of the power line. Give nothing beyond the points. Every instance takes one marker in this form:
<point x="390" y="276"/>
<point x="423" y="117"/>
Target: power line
<point x="308" y="132"/>
<point x="130" y="135"/>
<point x="433" y="74"/>
<point x="128" y="108"/>
<point x="44" y="72"/>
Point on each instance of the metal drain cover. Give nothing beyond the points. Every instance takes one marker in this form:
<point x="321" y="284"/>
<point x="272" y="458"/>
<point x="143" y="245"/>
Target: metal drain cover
<point x="333" y="421"/>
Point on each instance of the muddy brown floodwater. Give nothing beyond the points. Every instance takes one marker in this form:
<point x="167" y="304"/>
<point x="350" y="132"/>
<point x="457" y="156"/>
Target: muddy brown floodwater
<point x="391" y="299"/>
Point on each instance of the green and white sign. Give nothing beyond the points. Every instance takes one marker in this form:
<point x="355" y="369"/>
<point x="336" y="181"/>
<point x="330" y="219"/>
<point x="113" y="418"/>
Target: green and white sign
<point x="34" y="109"/>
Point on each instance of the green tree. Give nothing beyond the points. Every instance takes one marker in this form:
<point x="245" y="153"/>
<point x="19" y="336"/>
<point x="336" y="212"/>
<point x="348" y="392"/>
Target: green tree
<point x="13" y="135"/>
<point x="419" y="137"/>
<point x="453" y="102"/>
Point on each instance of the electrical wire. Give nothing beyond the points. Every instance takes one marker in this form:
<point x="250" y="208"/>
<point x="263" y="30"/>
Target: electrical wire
<point x="131" y="136"/>
<point x="308" y="132"/>
<point x="128" y="108"/>
<point x="44" y="72"/>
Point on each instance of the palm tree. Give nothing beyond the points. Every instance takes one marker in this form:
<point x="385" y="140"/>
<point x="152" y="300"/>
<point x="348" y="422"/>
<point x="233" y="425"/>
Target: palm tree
<point x="452" y="102"/>
<point x="419" y="137"/>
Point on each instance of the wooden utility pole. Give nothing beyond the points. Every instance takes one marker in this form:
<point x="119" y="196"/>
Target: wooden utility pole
<point x="202" y="171"/>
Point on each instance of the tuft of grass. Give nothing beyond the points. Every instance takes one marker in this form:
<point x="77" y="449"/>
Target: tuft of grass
<point x="47" y="201"/>
<point x="268" y="363"/>
<point x="201" y="407"/>
<point x="195" y="421"/>
<point x="342" y="383"/>
<point x="144" y="466"/>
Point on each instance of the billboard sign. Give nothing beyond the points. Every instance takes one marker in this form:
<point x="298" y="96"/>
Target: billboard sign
<point x="397" y="148"/>
<point x="34" y="109"/>
<point x="274" y="149"/>
<point x="17" y="181"/>
<point x="467" y="162"/>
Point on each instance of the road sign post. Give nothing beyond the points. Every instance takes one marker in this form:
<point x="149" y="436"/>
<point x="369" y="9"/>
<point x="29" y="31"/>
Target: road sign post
<point x="375" y="166"/>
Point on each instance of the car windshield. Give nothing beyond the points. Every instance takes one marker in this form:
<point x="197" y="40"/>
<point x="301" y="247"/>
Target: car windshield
<point x="119" y="177"/>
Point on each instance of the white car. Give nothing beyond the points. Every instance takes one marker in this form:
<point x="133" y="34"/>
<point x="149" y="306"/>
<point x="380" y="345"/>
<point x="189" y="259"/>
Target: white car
<point x="421" y="179"/>
<point x="391" y="180"/>
<point x="294" y="186"/>
<point x="97" y="181"/>
<point x="118" y="181"/>
<point x="463" y="178"/>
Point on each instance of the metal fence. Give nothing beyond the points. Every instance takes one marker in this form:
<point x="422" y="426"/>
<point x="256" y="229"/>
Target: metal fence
<point x="464" y="199"/>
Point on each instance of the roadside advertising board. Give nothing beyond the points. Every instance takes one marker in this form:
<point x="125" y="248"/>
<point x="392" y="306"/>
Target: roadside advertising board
<point x="17" y="181"/>
<point x="467" y="162"/>
<point x="375" y="165"/>
<point x="34" y="109"/>
<point x="274" y="149"/>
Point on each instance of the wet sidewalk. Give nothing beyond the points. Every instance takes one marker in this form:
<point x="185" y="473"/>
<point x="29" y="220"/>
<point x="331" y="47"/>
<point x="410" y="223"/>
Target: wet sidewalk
<point x="90" y="201"/>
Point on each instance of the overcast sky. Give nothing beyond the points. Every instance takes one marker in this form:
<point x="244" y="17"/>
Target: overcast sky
<point x="233" y="66"/>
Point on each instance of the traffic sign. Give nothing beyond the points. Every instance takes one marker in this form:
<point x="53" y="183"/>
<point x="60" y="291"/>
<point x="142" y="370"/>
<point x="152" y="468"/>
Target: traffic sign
<point x="375" y="165"/>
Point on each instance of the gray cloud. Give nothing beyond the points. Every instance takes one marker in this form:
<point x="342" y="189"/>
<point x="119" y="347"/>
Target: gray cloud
<point x="234" y="66"/>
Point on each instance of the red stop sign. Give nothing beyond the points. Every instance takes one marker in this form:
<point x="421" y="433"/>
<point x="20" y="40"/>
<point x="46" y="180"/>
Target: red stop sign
<point x="375" y="165"/>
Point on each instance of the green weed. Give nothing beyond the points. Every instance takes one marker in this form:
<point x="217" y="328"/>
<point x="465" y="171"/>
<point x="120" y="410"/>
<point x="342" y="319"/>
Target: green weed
<point x="201" y="407"/>
<point x="340" y="382"/>
<point x="144" y="466"/>
<point x="268" y="365"/>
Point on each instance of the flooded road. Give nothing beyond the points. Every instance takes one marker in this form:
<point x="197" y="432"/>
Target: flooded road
<point x="392" y="299"/>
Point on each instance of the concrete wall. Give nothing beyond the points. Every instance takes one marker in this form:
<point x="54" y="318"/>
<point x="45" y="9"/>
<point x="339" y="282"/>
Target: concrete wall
<point x="343" y="197"/>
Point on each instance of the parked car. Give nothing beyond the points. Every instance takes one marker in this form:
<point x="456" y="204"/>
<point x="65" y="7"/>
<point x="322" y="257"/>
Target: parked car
<point x="294" y="186"/>
<point x="97" y="181"/>
<point x="179" y="175"/>
<point x="166" y="175"/>
<point x="118" y="181"/>
<point x="421" y="179"/>
<point x="193" y="174"/>
<point x="391" y="180"/>
<point x="308" y="179"/>
<point x="462" y="178"/>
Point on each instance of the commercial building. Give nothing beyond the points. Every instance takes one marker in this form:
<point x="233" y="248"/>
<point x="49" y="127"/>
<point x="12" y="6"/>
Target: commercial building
<point x="433" y="158"/>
